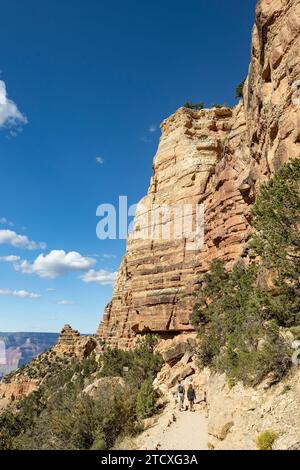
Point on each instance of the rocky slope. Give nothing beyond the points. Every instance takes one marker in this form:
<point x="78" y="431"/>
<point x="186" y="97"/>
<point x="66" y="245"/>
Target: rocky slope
<point x="22" y="381"/>
<point x="236" y="415"/>
<point x="217" y="157"/>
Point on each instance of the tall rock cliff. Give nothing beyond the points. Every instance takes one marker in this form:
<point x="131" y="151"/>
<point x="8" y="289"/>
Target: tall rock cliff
<point x="216" y="157"/>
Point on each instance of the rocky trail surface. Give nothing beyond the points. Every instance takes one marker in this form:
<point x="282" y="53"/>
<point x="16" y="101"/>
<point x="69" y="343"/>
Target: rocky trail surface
<point x="177" y="430"/>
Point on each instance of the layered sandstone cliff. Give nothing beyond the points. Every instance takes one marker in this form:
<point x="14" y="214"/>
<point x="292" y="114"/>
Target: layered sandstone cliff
<point x="218" y="158"/>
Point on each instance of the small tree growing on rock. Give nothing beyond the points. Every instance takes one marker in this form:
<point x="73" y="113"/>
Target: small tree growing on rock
<point x="195" y="106"/>
<point x="146" y="400"/>
<point x="239" y="91"/>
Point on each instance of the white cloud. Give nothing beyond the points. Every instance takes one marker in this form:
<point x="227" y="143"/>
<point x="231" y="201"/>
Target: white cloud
<point x="9" y="237"/>
<point x="100" y="160"/>
<point x="23" y="294"/>
<point x="55" y="263"/>
<point x="9" y="114"/>
<point x="152" y="129"/>
<point x="10" y="258"/>
<point x="50" y="289"/>
<point x="65" y="302"/>
<point x="102" y="277"/>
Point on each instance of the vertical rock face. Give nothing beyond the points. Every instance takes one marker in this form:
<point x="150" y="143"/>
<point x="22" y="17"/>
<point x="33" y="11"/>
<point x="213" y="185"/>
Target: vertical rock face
<point x="217" y="158"/>
<point x="272" y="92"/>
<point x="156" y="277"/>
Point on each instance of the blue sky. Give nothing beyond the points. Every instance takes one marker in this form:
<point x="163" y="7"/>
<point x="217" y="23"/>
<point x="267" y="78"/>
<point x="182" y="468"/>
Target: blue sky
<point x="84" y="87"/>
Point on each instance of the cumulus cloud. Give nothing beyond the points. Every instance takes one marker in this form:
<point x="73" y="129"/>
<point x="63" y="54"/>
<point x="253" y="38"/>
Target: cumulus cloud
<point x="9" y="237"/>
<point x="54" y="264"/>
<point x="65" y="302"/>
<point x="10" y="116"/>
<point x="100" y="160"/>
<point x="102" y="277"/>
<point x="58" y="262"/>
<point x="23" y="294"/>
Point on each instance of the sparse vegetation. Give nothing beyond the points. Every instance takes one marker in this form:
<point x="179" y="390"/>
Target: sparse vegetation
<point x="239" y="91"/>
<point x="60" y="416"/>
<point x="195" y="106"/>
<point x="285" y="389"/>
<point x="238" y="316"/>
<point x="135" y="366"/>
<point x="230" y="383"/>
<point x="295" y="330"/>
<point x="266" y="440"/>
<point x="146" y="400"/>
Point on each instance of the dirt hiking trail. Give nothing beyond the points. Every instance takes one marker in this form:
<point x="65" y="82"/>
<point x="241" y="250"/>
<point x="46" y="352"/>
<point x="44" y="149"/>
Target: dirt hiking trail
<point x="177" y="430"/>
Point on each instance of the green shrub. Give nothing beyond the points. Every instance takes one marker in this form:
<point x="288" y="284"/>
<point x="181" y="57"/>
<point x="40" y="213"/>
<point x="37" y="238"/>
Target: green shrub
<point x="266" y="440"/>
<point x="295" y="330"/>
<point x="146" y="400"/>
<point x="230" y="383"/>
<point x="142" y="362"/>
<point x="238" y="317"/>
<point x="195" y="106"/>
<point x="239" y="91"/>
<point x="99" y="443"/>
<point x="113" y="362"/>
<point x="285" y="389"/>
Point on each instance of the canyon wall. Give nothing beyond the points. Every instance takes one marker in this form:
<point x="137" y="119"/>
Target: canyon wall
<point x="218" y="158"/>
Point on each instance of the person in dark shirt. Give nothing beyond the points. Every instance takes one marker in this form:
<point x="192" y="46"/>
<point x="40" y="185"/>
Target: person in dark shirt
<point x="191" y="396"/>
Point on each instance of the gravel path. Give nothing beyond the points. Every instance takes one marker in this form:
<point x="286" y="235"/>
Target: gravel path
<point x="177" y="430"/>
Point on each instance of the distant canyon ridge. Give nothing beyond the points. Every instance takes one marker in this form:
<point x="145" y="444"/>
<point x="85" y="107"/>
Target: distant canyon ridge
<point x="18" y="349"/>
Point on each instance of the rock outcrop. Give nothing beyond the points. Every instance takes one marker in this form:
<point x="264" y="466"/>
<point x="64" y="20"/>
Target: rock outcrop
<point x="16" y="390"/>
<point x="216" y="157"/>
<point x="70" y="343"/>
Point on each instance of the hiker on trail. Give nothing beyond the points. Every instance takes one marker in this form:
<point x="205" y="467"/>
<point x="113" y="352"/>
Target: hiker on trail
<point x="180" y="395"/>
<point x="191" y="396"/>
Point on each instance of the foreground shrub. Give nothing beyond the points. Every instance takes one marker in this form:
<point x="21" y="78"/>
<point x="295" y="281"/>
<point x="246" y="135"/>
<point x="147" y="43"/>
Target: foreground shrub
<point x="135" y="366"/>
<point x="99" y="444"/>
<point x="146" y="400"/>
<point x="266" y="440"/>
